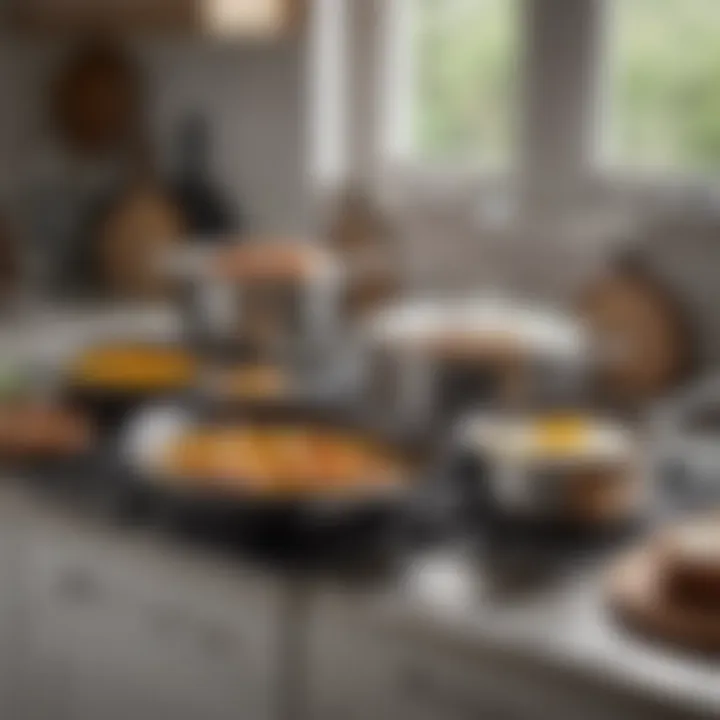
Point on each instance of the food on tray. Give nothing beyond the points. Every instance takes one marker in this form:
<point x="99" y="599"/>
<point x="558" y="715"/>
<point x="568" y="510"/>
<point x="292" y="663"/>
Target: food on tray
<point x="133" y="368"/>
<point x="691" y="565"/>
<point x="280" y="461"/>
<point x="40" y="430"/>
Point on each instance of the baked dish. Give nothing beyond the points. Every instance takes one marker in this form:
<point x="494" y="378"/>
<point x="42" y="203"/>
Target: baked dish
<point x="34" y="430"/>
<point x="280" y="462"/>
<point x="134" y="368"/>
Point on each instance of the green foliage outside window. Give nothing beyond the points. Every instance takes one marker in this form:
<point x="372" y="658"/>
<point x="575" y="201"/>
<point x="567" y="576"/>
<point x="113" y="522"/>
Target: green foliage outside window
<point x="663" y="89"/>
<point x="661" y="98"/>
<point x="466" y="71"/>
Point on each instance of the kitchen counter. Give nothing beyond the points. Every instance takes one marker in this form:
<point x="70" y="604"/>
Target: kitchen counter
<point x="119" y="622"/>
<point x="564" y="629"/>
<point x="441" y="611"/>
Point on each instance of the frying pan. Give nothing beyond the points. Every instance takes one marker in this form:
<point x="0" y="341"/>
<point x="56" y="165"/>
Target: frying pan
<point x="251" y="294"/>
<point x="525" y="511"/>
<point x="306" y="526"/>
<point x="110" y="406"/>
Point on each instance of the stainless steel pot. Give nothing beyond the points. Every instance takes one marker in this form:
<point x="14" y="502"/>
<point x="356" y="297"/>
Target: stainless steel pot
<point x="429" y="362"/>
<point x="593" y="475"/>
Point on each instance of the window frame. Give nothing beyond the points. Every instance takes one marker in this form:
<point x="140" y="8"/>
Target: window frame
<point x="587" y="107"/>
<point x="398" y="98"/>
<point x="608" y="170"/>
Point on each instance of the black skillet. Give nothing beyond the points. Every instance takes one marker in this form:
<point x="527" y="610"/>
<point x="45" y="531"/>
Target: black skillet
<point x="303" y="528"/>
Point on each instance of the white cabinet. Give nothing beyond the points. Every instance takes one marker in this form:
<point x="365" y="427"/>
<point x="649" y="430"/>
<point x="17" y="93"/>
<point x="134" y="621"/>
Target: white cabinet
<point x="13" y="618"/>
<point x="124" y="631"/>
<point x="100" y="626"/>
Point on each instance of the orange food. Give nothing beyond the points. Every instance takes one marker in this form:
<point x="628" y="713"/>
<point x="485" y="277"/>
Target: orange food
<point x="281" y="461"/>
<point x="135" y="368"/>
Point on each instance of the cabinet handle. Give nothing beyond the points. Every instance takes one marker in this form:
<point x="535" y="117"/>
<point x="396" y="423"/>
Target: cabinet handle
<point x="419" y="686"/>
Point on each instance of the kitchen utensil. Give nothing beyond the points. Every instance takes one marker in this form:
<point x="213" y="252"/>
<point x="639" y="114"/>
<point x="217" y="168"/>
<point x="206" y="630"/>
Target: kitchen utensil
<point x="195" y="192"/>
<point x="110" y="381"/>
<point x="428" y="361"/>
<point x="294" y="525"/>
<point x="645" y="342"/>
<point x="138" y="229"/>
<point x="685" y="430"/>
<point x="552" y="470"/>
<point x="277" y="298"/>
<point x="363" y="237"/>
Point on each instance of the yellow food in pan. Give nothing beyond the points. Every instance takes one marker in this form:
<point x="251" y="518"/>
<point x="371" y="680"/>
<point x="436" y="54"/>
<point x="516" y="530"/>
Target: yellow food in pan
<point x="281" y="461"/>
<point x="135" y="368"/>
<point x="560" y="434"/>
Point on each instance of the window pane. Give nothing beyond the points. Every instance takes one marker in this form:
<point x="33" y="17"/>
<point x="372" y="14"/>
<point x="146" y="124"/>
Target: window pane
<point x="465" y="79"/>
<point x="665" y="84"/>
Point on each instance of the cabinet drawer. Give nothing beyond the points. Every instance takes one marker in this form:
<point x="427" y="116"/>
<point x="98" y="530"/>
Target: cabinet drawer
<point x="152" y="634"/>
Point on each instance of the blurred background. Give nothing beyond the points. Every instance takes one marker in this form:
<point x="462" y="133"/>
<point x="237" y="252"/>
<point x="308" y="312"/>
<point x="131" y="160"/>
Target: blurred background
<point x="358" y="359"/>
<point x="528" y="121"/>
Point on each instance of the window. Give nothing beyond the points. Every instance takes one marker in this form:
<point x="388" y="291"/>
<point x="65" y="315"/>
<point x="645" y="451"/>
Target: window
<point x="459" y="81"/>
<point x="663" y="88"/>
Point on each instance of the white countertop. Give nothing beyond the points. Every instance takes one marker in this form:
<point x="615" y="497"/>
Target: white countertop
<point x="565" y="626"/>
<point x="562" y="627"/>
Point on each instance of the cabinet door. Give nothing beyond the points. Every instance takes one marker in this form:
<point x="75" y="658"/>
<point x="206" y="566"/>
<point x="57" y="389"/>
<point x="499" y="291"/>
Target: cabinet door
<point x="124" y="632"/>
<point x="15" y="672"/>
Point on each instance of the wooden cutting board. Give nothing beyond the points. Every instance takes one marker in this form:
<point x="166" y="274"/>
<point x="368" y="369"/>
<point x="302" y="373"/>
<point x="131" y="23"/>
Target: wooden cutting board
<point x="138" y="230"/>
<point x="644" y="341"/>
